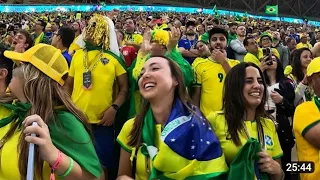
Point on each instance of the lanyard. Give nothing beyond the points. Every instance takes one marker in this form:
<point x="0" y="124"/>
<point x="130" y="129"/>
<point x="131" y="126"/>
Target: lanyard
<point x="86" y="65"/>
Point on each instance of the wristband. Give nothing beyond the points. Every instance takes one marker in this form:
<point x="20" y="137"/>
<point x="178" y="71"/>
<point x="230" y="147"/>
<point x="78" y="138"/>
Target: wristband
<point x="68" y="171"/>
<point x="56" y="165"/>
<point x="115" y="107"/>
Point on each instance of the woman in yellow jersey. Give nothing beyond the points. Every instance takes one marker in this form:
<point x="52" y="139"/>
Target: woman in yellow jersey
<point x="301" y="58"/>
<point x="248" y="140"/>
<point x="169" y="138"/>
<point x="64" y="147"/>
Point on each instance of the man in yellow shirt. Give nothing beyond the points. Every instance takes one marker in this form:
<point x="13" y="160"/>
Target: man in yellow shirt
<point x="254" y="53"/>
<point x="94" y="72"/>
<point x="304" y="42"/>
<point x="77" y="28"/>
<point x="210" y="73"/>
<point x="306" y="124"/>
<point x="131" y="38"/>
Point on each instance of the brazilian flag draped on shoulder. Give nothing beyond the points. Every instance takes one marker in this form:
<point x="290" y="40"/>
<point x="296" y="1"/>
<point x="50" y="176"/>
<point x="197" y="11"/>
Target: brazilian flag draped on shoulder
<point x="67" y="133"/>
<point x="189" y="149"/>
<point x="136" y="67"/>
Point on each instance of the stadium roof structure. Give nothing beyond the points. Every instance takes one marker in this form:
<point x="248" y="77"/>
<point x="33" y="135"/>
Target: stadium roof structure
<point x="292" y="8"/>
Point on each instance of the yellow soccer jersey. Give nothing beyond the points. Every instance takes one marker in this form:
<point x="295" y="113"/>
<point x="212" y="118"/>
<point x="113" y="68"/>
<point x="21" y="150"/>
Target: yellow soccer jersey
<point x="74" y="46"/>
<point x="134" y="38"/>
<point x="301" y="45"/>
<point x="9" y="153"/>
<point x="210" y="76"/>
<point x="230" y="150"/>
<point x="96" y="100"/>
<point x="306" y="116"/>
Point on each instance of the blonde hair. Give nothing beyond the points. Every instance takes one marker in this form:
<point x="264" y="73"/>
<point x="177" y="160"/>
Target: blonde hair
<point x="44" y="94"/>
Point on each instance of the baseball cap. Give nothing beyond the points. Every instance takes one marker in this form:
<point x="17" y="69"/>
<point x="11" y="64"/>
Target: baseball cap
<point x="313" y="67"/>
<point x="46" y="58"/>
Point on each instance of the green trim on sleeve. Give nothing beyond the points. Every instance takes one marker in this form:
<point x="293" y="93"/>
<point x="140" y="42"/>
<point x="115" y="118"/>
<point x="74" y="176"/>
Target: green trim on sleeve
<point x="277" y="157"/>
<point x="123" y="146"/>
<point x="305" y="130"/>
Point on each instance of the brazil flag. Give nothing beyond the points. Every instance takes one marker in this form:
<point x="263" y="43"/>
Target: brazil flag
<point x="272" y="10"/>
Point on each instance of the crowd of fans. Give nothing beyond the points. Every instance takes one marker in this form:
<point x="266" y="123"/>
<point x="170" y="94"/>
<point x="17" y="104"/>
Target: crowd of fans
<point x="184" y="95"/>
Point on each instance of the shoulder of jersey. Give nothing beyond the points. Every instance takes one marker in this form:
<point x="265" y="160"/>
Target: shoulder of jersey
<point x="309" y="105"/>
<point x="199" y="60"/>
<point x="234" y="61"/>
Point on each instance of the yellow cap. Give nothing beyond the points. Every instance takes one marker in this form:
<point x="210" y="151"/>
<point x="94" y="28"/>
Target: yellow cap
<point x="46" y="58"/>
<point x="313" y="67"/>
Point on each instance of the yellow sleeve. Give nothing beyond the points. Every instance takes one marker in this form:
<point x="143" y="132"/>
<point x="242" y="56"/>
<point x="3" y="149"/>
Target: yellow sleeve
<point x="124" y="136"/>
<point x="212" y="119"/>
<point x="119" y="69"/>
<point x="277" y="151"/>
<point x="305" y="117"/>
<point x="138" y="39"/>
<point x="233" y="62"/>
<point x="197" y="72"/>
<point x="251" y="58"/>
<point x="299" y="46"/>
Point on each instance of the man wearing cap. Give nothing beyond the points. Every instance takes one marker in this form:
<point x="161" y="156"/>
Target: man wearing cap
<point x="186" y="44"/>
<point x="306" y="124"/>
<point x="94" y="72"/>
<point x="304" y="41"/>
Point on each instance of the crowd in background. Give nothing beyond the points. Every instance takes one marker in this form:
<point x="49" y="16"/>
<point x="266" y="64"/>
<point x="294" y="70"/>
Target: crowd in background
<point x="216" y="58"/>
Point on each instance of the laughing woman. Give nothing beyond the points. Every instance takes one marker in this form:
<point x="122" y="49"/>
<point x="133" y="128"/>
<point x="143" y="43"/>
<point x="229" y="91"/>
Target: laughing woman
<point x="64" y="147"/>
<point x="246" y="137"/>
<point x="169" y="138"/>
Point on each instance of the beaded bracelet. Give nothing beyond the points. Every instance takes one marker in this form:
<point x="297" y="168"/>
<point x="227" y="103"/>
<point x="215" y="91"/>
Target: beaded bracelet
<point x="56" y="165"/>
<point x="68" y="171"/>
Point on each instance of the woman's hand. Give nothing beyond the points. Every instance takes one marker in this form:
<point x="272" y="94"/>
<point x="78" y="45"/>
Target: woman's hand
<point x="268" y="165"/>
<point x="48" y="152"/>
<point x="276" y="97"/>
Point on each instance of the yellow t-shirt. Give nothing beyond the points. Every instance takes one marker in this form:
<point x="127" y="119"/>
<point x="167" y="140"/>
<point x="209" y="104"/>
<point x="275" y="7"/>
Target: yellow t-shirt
<point x="230" y="150"/>
<point x="134" y="38"/>
<point x="256" y="59"/>
<point x="176" y="162"/>
<point x="74" y="46"/>
<point x="99" y="98"/>
<point x="306" y="116"/>
<point x="210" y="76"/>
<point x="123" y="139"/>
<point x="301" y="45"/>
<point x="9" y="153"/>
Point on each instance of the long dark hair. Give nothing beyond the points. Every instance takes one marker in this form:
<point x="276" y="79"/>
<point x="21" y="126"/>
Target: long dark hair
<point x="234" y="102"/>
<point x="180" y="92"/>
<point x="296" y="63"/>
<point x="279" y="73"/>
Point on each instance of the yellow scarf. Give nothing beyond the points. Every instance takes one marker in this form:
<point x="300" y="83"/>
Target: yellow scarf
<point x="39" y="39"/>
